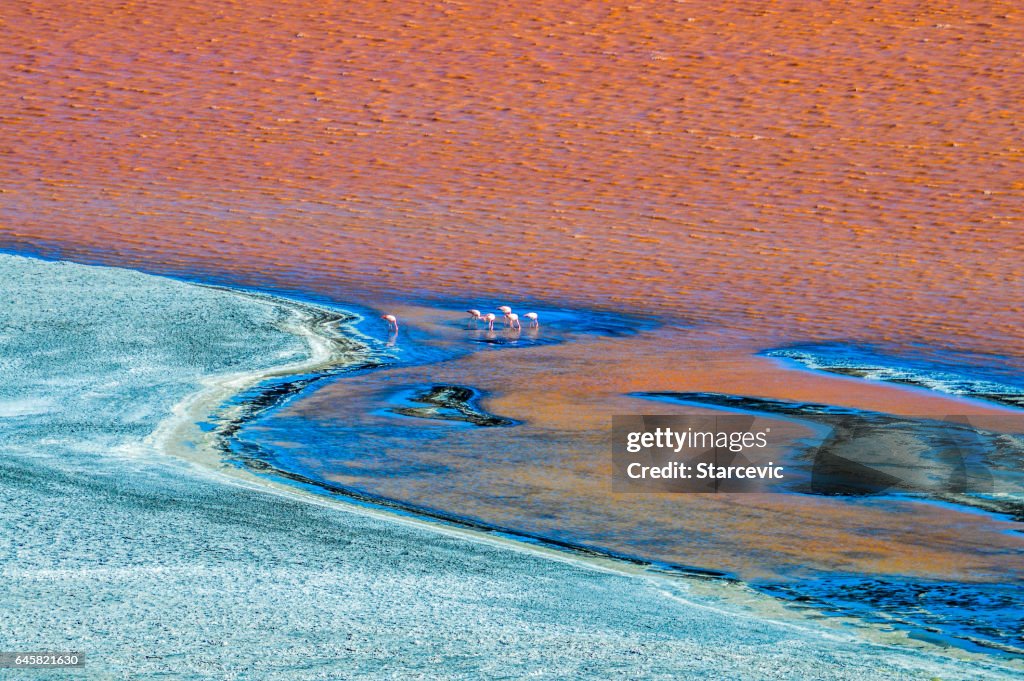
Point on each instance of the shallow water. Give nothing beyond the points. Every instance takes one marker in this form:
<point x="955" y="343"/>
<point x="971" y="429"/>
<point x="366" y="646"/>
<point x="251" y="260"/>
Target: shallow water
<point x="533" y="476"/>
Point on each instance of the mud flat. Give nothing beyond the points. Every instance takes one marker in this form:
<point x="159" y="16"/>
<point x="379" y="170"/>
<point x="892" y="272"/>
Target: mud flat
<point x="155" y="566"/>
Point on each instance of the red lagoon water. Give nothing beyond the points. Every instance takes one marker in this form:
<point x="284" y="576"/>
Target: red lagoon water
<point x="849" y="169"/>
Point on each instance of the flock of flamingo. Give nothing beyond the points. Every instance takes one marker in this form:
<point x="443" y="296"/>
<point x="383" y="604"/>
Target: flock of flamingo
<point x="511" y="319"/>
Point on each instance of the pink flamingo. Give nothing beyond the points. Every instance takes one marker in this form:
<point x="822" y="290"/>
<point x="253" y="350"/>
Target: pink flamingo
<point x="513" y="321"/>
<point x="392" y="322"/>
<point x="474" y="317"/>
<point x="532" y="316"/>
<point x="505" y="310"/>
<point x="489" y="318"/>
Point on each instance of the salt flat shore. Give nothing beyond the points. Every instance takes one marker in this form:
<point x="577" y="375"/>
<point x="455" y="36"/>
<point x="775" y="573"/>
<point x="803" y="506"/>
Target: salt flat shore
<point x="157" y="567"/>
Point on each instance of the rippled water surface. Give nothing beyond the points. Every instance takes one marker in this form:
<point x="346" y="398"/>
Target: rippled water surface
<point x="789" y="170"/>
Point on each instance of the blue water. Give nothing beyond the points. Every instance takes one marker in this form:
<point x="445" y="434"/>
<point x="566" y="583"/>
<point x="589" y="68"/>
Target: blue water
<point x="984" y="377"/>
<point x="974" y="616"/>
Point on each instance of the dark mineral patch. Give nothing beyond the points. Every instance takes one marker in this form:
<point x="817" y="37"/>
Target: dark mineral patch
<point x="450" y="403"/>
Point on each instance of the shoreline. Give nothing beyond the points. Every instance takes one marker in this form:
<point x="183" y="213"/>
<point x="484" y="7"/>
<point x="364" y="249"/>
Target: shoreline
<point x="179" y="434"/>
<point x="185" y="440"/>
